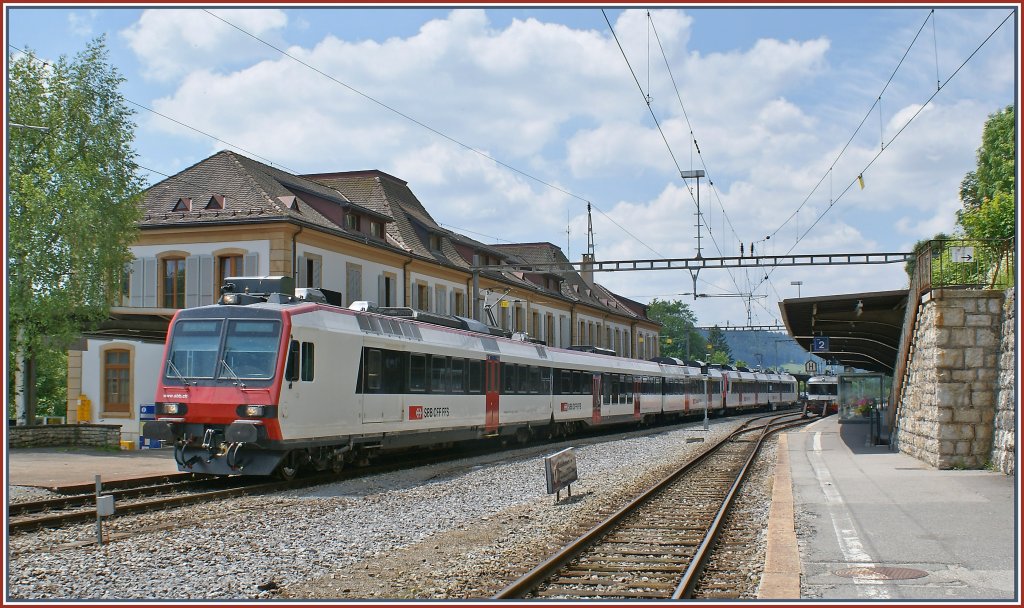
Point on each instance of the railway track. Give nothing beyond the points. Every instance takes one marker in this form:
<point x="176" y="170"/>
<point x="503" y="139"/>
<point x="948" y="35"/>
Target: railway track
<point x="656" y="547"/>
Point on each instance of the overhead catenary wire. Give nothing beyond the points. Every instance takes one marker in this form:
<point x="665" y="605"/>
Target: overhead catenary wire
<point x="657" y="123"/>
<point x="878" y="154"/>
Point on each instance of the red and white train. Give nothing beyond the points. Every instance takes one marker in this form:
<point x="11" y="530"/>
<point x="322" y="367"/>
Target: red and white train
<point x="264" y="383"/>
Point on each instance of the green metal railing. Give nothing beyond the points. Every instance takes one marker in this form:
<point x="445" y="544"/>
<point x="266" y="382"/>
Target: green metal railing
<point x="948" y="264"/>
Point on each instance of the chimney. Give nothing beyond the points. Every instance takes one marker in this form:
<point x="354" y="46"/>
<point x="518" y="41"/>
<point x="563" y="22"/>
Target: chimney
<point x="587" y="269"/>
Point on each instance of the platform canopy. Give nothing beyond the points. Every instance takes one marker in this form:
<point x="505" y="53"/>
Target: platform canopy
<point x="860" y="330"/>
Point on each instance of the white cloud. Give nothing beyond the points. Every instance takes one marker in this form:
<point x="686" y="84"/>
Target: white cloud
<point x="81" y="24"/>
<point x="174" y="42"/>
<point x="558" y="102"/>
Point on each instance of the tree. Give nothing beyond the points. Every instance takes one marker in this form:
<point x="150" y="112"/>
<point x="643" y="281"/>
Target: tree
<point x="720" y="352"/>
<point x="73" y="192"/>
<point x="679" y="337"/>
<point x="995" y="173"/>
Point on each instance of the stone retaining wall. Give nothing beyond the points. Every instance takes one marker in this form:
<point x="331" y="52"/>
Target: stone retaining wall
<point x="949" y="403"/>
<point x="1004" y="437"/>
<point x="50" y="435"/>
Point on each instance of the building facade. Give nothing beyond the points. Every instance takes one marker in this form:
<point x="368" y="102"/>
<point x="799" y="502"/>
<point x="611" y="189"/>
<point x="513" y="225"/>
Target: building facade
<point x="357" y="236"/>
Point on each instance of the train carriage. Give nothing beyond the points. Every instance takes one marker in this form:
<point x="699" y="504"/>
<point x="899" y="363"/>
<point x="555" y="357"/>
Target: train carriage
<point x="264" y="383"/>
<point x="822" y="395"/>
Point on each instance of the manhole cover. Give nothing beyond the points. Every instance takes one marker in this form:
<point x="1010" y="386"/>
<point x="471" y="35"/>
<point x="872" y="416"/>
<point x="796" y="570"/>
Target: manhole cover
<point x="882" y="573"/>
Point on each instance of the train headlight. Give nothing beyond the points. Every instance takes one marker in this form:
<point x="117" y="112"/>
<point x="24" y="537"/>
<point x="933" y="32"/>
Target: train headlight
<point x="255" y="411"/>
<point x="229" y="298"/>
<point x="173" y="409"/>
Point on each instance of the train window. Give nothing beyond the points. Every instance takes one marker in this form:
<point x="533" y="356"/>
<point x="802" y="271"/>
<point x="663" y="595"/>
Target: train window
<point x="457" y="379"/>
<point x="438" y="374"/>
<point x="580" y="386"/>
<point x="566" y="382"/>
<point x="508" y="378"/>
<point x="393" y="373"/>
<point x="535" y="386"/>
<point x="545" y="380"/>
<point x="250" y="349"/>
<point x="475" y="376"/>
<point x="373" y="370"/>
<point x="291" y="366"/>
<point x="306" y="365"/>
<point x="418" y="373"/>
<point x="522" y="379"/>
<point x="629" y="388"/>
<point x="193" y="350"/>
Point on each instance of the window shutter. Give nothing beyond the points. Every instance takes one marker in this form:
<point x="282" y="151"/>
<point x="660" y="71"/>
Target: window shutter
<point x="250" y="264"/>
<point x="451" y="303"/>
<point x="316" y="274"/>
<point x="191" y="281"/>
<point x="149" y="283"/>
<point x="414" y="296"/>
<point x="300" y="280"/>
<point x="135" y="283"/>
<point x="381" y="279"/>
<point x="207" y="289"/>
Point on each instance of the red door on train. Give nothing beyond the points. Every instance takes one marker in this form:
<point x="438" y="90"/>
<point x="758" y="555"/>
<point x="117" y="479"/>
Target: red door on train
<point x="492" y="384"/>
<point x="636" y="397"/>
<point x="596" y="390"/>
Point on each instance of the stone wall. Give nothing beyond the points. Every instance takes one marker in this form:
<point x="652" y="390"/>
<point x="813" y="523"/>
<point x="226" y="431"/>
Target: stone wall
<point x="50" y="435"/>
<point x="949" y="401"/>
<point x="1004" y="437"/>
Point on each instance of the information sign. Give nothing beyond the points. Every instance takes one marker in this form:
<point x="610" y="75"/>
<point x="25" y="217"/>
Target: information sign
<point x="820" y="344"/>
<point x="560" y="470"/>
<point x="961" y="254"/>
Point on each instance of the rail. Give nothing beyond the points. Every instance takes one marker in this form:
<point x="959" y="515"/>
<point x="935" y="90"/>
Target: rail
<point x="681" y="587"/>
<point x="946" y="264"/>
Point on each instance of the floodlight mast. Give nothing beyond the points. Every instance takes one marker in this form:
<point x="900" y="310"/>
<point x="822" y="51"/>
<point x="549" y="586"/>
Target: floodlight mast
<point x="696" y="173"/>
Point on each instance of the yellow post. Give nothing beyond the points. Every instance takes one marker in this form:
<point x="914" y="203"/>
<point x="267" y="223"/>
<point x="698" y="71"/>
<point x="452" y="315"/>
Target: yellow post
<point x="84" y="409"/>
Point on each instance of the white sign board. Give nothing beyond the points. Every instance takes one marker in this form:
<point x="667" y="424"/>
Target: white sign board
<point x="961" y="254"/>
<point x="560" y="470"/>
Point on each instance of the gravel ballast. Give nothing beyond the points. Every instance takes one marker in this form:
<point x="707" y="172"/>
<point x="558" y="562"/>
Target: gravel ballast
<point x="458" y="530"/>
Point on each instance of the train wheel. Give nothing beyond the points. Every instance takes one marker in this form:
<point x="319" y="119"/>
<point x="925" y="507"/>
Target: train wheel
<point x="289" y="467"/>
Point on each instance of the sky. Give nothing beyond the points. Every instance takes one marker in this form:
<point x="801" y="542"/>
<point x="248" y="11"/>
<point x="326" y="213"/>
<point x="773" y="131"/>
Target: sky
<point x="507" y="121"/>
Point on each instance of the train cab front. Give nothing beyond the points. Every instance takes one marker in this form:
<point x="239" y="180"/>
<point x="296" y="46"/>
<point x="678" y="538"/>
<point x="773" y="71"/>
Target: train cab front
<point x="217" y="396"/>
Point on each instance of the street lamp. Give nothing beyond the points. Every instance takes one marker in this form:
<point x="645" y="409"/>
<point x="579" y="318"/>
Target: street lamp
<point x="798" y="284"/>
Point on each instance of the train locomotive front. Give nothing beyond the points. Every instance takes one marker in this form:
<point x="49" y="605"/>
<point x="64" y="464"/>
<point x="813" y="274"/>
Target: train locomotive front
<point x="218" y="394"/>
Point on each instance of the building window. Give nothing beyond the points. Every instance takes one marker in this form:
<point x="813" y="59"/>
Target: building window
<point x="435" y="242"/>
<point x="227" y="266"/>
<point x="460" y="303"/>
<point x="352" y="222"/>
<point x="377" y="229"/>
<point x="422" y="297"/>
<point x="173" y="282"/>
<point x="117" y="381"/>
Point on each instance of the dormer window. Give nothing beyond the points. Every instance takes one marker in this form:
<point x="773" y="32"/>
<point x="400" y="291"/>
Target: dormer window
<point x="216" y="202"/>
<point x="352" y="222"/>
<point x="184" y="204"/>
<point x="435" y="242"/>
<point x="377" y="229"/>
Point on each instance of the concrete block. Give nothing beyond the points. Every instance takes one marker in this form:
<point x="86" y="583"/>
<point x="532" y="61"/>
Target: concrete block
<point x="949" y="432"/>
<point x="949" y="317"/>
<point x="950" y="357"/>
<point x="983" y="397"/>
<point x="951" y="394"/>
<point x="984" y="337"/>
<point x="963" y="448"/>
<point x="979" y="320"/>
<point x="966" y="432"/>
<point x="974" y="357"/>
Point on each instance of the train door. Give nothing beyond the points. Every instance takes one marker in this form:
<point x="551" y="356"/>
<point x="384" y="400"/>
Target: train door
<point x="595" y="389"/>
<point x="492" y="385"/>
<point x="636" y="396"/>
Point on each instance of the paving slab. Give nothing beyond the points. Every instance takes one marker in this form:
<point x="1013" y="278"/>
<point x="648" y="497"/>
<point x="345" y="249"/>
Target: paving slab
<point x="873" y="524"/>
<point x="50" y="467"/>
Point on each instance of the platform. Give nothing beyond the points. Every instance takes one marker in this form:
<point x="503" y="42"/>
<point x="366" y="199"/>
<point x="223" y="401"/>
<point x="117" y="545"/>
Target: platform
<point x="49" y="467"/>
<point x="877" y="525"/>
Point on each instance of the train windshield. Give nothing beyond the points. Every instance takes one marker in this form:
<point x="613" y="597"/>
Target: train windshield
<point x="823" y="389"/>
<point x="194" y="346"/>
<point x="249" y="349"/>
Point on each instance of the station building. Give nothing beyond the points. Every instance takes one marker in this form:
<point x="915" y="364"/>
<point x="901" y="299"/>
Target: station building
<point x="358" y="236"/>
